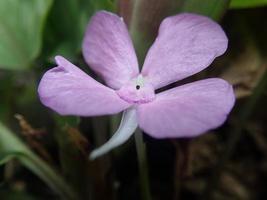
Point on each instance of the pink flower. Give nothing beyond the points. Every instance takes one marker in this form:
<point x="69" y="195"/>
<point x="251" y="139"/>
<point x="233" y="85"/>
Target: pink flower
<point x="186" y="44"/>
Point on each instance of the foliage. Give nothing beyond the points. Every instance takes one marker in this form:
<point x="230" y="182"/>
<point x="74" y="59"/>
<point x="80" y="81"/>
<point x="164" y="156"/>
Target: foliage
<point x="21" y="28"/>
<point x="247" y="3"/>
<point x="12" y="148"/>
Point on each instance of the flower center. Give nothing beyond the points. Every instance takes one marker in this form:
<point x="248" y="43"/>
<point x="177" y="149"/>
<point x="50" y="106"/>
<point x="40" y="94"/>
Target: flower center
<point x="137" y="91"/>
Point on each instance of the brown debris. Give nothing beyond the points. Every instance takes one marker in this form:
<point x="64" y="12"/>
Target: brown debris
<point x="78" y="140"/>
<point x="32" y="136"/>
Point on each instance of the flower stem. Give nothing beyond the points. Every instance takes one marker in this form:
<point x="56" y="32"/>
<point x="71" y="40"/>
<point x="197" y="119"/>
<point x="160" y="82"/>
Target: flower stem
<point x="142" y="163"/>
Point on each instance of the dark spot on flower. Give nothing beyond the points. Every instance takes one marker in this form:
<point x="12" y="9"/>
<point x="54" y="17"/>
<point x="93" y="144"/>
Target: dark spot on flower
<point x="138" y="87"/>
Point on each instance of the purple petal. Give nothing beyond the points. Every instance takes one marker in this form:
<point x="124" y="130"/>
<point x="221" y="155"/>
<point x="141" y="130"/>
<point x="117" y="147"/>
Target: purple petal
<point x="108" y="49"/>
<point x="186" y="44"/>
<point x="69" y="91"/>
<point x="188" y="110"/>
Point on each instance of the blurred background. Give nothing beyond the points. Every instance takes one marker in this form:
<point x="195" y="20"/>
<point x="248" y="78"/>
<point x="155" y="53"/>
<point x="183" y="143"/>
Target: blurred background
<point x="45" y="156"/>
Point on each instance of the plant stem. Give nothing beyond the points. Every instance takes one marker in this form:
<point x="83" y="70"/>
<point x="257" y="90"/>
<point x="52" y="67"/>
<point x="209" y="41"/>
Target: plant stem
<point x="142" y="163"/>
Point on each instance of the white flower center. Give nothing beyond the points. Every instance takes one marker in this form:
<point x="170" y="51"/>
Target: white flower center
<point x="137" y="91"/>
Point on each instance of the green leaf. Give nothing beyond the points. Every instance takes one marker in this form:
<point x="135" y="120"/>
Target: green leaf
<point x="108" y="5"/>
<point x="67" y="23"/>
<point x="21" y="24"/>
<point x="247" y="3"/>
<point x="63" y="121"/>
<point x="211" y="8"/>
<point x="11" y="147"/>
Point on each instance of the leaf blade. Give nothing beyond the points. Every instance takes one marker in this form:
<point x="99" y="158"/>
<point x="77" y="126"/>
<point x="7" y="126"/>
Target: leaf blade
<point x="247" y="3"/>
<point x="21" y="25"/>
<point x="11" y="147"/>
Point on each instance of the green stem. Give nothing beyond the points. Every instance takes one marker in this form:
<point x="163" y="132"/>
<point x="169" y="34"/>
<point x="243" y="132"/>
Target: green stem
<point x="142" y="163"/>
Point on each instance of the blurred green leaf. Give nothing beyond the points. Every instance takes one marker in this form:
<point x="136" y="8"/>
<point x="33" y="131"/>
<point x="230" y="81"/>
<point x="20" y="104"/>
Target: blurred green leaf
<point x="67" y="23"/>
<point x="11" y="147"/>
<point x="247" y="3"/>
<point x="108" y="5"/>
<point x="21" y="24"/>
<point x="211" y="8"/>
<point x="63" y="121"/>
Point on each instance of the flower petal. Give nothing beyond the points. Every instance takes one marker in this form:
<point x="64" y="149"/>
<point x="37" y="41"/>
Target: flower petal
<point x="186" y="44"/>
<point x="69" y="91"/>
<point x="188" y="110"/>
<point x="108" y="49"/>
<point x="126" y="129"/>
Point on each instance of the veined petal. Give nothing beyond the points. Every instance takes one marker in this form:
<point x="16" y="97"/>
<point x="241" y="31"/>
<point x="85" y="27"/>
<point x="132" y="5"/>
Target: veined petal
<point x="127" y="127"/>
<point x="188" y="110"/>
<point x="69" y="91"/>
<point x="186" y="44"/>
<point x="108" y="49"/>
